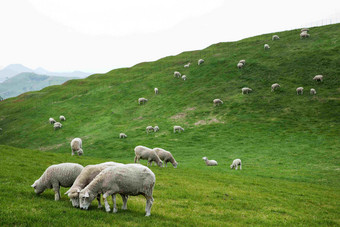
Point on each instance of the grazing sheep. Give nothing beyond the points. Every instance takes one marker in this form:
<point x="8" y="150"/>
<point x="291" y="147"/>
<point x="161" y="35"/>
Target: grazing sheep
<point x="147" y="154"/>
<point x="201" y="61"/>
<point x="149" y="129"/>
<point x="217" y="102"/>
<point x="156" y="91"/>
<point x="62" y="118"/>
<point x="178" y="128"/>
<point x="275" y="86"/>
<point x="266" y="47"/>
<point x="299" y="90"/>
<point x="236" y="163"/>
<point x="76" y="146"/>
<point x="63" y="174"/>
<point x="51" y="120"/>
<point x="177" y="74"/>
<point x="318" y="78"/>
<point x="142" y="101"/>
<point x="57" y="125"/>
<point x="187" y="65"/>
<point x="304" y="35"/>
<point x="209" y="162"/>
<point x="165" y="156"/>
<point x="184" y="77"/>
<point x="246" y="90"/>
<point x="240" y="65"/>
<point x="84" y="178"/>
<point x="312" y="91"/>
<point x="122" y="135"/>
<point x="242" y="61"/>
<point x="130" y="179"/>
<point x="156" y="128"/>
<point x="275" y="37"/>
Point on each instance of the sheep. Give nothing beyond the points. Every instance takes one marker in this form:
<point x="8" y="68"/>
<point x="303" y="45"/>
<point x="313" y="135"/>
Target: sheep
<point x="312" y="91"/>
<point x="184" y="77"/>
<point x="304" y="35"/>
<point x="122" y="135"/>
<point x="266" y="46"/>
<point x="156" y="91"/>
<point x="84" y="178"/>
<point x="299" y="90"/>
<point x="51" y="120"/>
<point x="57" y="125"/>
<point x="63" y="174"/>
<point x="246" y="90"/>
<point x="318" y="78"/>
<point x="76" y="146"/>
<point x="217" y="102"/>
<point x="275" y="86"/>
<point x="209" y="162"/>
<point x="304" y="30"/>
<point x="165" y="156"/>
<point x="142" y="101"/>
<point x="178" y="128"/>
<point x="156" y="128"/>
<point x="240" y="65"/>
<point x="146" y="153"/>
<point x="275" y="37"/>
<point x="201" y="61"/>
<point x="242" y="61"/>
<point x="177" y="74"/>
<point x="187" y="65"/>
<point x="129" y="179"/>
<point x="149" y="129"/>
<point x="236" y="163"/>
<point x="62" y="118"/>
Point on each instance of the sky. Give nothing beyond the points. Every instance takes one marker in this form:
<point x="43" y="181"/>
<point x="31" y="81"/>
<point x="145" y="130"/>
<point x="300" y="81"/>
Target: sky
<point x="100" y="35"/>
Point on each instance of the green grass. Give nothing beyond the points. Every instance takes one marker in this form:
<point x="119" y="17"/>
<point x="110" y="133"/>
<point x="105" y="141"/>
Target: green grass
<point x="289" y="145"/>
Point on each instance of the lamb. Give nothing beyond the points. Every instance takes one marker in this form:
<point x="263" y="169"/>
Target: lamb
<point x="51" y="120"/>
<point x="266" y="47"/>
<point x="178" y="128"/>
<point x="243" y="62"/>
<point x="275" y="37"/>
<point x="142" y="101"/>
<point x="156" y="128"/>
<point x="84" y="178"/>
<point x="122" y="135"/>
<point x="240" y="65"/>
<point x="201" y="61"/>
<point x="130" y="179"/>
<point x="275" y="86"/>
<point x="57" y="125"/>
<point x="76" y="146"/>
<point x="62" y="118"/>
<point x="63" y="174"/>
<point x="147" y="154"/>
<point x="246" y="90"/>
<point x="318" y="78"/>
<point x="149" y="129"/>
<point x="312" y="91"/>
<point x="156" y="91"/>
<point x="217" y="102"/>
<point x="209" y="162"/>
<point x="236" y="163"/>
<point x="187" y="65"/>
<point x="165" y="156"/>
<point x="177" y="74"/>
<point x="304" y="35"/>
<point x="299" y="90"/>
<point x="184" y="77"/>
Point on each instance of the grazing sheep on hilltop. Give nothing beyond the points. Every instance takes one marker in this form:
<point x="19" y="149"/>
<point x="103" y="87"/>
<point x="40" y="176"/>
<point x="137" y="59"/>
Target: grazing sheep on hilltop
<point x="149" y="129"/>
<point x="275" y="37"/>
<point x="187" y="65"/>
<point x="312" y="91"/>
<point x="217" y="102"/>
<point x="146" y="153"/>
<point x="177" y="74"/>
<point x="122" y="135"/>
<point x="76" y="146"/>
<point x="209" y="162"/>
<point x="304" y="35"/>
<point x="63" y="174"/>
<point x="246" y="90"/>
<point x="51" y="120"/>
<point x="156" y="128"/>
<point x="62" y="118"/>
<point x="178" y="128"/>
<point x="275" y="86"/>
<point x="57" y="125"/>
<point x="299" y="90"/>
<point x="240" y="65"/>
<point x="318" y="78"/>
<point x="156" y="91"/>
<point x="236" y="163"/>
<point x="184" y="77"/>
<point x="201" y="61"/>
<point x="142" y="101"/>
<point x="165" y="156"/>
<point x="266" y="47"/>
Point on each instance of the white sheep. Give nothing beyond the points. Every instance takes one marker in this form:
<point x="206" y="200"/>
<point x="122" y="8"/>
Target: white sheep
<point x="275" y="86"/>
<point x="242" y="61"/>
<point x="304" y="35"/>
<point x="209" y="162"/>
<point x="51" y="120"/>
<point x="84" y="178"/>
<point x="165" y="156"/>
<point x="156" y="91"/>
<point x="76" y="146"/>
<point x="178" y="128"/>
<point x="63" y="174"/>
<point x="142" y="101"/>
<point x="236" y="163"/>
<point x="217" y="102"/>
<point x="299" y="90"/>
<point x="312" y="91"/>
<point x="275" y="37"/>
<point x="187" y="65"/>
<point x="122" y="135"/>
<point x="266" y="46"/>
<point x="184" y="77"/>
<point x="246" y="90"/>
<point x="177" y="74"/>
<point x="156" y="128"/>
<point x="57" y="125"/>
<point x="240" y="65"/>
<point x="201" y="61"/>
<point x="130" y="179"/>
<point x="62" y="118"/>
<point x="318" y="78"/>
<point x="149" y="129"/>
<point x="146" y="153"/>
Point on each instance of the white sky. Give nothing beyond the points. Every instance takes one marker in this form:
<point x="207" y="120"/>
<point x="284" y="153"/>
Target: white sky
<point x="100" y="35"/>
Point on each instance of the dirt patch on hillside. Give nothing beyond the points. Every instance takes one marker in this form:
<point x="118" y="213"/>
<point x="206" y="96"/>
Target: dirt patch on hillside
<point x="139" y="118"/>
<point x="191" y="108"/>
<point x="52" y="147"/>
<point x="179" y="116"/>
<point x="208" y="122"/>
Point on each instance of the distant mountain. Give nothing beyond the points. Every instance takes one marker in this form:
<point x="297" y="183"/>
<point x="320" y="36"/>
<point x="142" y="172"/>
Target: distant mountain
<point x="29" y="81"/>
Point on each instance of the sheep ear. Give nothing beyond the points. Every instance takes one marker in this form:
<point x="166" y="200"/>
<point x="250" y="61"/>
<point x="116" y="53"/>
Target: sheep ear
<point x="32" y="185"/>
<point x="86" y="195"/>
<point x="67" y="192"/>
<point x="78" y="190"/>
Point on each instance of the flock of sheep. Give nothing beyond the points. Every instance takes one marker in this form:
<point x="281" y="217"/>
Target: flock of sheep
<point x="57" y="125"/>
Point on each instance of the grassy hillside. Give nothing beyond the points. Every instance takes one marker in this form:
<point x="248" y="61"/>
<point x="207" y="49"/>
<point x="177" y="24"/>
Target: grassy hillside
<point x="289" y="144"/>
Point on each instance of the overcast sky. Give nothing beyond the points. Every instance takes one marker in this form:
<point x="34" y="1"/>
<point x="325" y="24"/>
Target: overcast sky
<point x="100" y="35"/>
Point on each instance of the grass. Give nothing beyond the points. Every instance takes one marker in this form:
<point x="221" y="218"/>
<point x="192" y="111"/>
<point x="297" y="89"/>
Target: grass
<point x="289" y="144"/>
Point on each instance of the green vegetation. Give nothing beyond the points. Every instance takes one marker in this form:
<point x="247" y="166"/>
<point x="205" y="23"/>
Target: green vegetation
<point x="289" y="145"/>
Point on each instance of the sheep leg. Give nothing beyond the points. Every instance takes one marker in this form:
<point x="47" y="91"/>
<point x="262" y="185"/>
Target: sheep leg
<point x="56" y="189"/>
<point x="72" y="152"/>
<point x="148" y="206"/>
<point x="240" y="167"/>
<point x="114" y="203"/>
<point x="236" y="167"/>
<point x="124" y="198"/>
<point x="99" y="203"/>
<point x="107" y="206"/>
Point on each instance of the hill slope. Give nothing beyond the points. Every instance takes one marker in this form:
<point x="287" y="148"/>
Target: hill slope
<point x="284" y="140"/>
